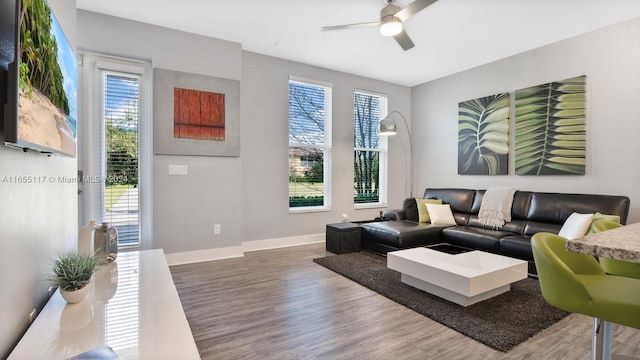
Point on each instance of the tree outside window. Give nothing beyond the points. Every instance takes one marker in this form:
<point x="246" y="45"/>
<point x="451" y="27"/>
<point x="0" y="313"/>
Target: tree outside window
<point x="309" y="145"/>
<point x="370" y="151"/>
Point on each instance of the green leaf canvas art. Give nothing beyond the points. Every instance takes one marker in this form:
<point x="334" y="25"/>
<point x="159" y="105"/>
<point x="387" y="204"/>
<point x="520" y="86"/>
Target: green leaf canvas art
<point x="551" y="128"/>
<point x="483" y="136"/>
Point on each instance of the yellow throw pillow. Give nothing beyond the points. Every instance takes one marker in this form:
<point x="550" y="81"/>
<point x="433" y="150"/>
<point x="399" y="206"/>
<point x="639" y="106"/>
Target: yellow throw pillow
<point x="602" y="225"/>
<point x="423" y="214"/>
<point x="614" y="218"/>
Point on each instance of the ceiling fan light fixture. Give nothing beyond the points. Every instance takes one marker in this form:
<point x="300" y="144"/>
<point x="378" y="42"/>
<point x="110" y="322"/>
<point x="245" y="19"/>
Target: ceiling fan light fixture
<point x="390" y="26"/>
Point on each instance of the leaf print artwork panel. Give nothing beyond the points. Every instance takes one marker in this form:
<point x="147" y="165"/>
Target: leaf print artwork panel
<point x="551" y="128"/>
<point x="483" y="136"/>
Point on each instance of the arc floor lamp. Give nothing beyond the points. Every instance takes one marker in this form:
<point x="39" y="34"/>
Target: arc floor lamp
<point x="388" y="126"/>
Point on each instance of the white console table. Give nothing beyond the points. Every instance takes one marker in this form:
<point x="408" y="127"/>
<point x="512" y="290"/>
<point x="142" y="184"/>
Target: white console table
<point x="133" y="307"/>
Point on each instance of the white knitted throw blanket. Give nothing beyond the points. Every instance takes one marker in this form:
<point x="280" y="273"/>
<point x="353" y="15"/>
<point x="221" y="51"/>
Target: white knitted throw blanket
<point x="495" y="209"/>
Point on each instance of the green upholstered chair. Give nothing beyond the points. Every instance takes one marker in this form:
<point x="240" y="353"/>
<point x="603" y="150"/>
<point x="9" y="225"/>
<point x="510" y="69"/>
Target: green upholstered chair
<point x="613" y="266"/>
<point x="577" y="283"/>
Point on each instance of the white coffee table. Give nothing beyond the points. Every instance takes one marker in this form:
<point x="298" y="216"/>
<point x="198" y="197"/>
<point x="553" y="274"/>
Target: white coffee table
<point x="464" y="278"/>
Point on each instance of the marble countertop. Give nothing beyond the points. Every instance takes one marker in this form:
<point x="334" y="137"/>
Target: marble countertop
<point x="622" y="243"/>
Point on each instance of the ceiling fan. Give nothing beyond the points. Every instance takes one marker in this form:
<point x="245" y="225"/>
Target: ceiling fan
<point x="391" y="19"/>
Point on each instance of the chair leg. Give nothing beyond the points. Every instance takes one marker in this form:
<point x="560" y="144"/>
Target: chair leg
<point x="607" y="335"/>
<point x="601" y="340"/>
<point x="596" y="340"/>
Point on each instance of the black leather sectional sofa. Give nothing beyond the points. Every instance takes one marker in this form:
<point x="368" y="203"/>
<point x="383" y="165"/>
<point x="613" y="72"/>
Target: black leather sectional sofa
<point x="531" y="212"/>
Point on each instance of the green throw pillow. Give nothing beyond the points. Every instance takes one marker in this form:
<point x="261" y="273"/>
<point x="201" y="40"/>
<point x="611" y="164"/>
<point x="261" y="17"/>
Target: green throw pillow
<point x="423" y="214"/>
<point x="603" y="224"/>
<point x="614" y="218"/>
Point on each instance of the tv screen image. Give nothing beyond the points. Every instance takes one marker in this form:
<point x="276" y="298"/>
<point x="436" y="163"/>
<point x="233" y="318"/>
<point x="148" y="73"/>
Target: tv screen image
<point x="47" y="85"/>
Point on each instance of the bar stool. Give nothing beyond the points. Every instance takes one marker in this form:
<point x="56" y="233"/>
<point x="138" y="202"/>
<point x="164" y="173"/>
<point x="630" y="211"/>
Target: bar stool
<point x="577" y="283"/>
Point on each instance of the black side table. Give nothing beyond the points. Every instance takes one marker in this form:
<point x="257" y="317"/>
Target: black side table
<point x="343" y="238"/>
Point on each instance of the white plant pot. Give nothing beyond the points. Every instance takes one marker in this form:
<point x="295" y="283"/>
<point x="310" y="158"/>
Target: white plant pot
<point x="76" y="296"/>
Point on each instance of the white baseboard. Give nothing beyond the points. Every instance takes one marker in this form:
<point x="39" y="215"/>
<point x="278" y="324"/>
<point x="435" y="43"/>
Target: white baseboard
<point x="195" y="256"/>
<point x="276" y="243"/>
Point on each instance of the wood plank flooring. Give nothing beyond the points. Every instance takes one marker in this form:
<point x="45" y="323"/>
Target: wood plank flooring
<point x="278" y="304"/>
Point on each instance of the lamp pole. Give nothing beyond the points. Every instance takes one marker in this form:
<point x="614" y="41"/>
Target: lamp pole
<point x="387" y="126"/>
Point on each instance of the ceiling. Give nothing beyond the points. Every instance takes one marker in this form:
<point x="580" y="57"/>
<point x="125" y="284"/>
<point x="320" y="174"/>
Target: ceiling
<point x="450" y="35"/>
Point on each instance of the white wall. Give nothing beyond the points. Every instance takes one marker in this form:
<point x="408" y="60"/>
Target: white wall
<point x="246" y="195"/>
<point x="610" y="58"/>
<point x="37" y="221"/>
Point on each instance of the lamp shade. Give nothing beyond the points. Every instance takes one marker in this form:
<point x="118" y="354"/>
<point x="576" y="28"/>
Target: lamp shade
<point x="387" y="126"/>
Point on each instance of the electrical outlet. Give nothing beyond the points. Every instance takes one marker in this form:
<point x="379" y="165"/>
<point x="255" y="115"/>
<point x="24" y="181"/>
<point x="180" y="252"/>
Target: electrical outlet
<point x="216" y="229"/>
<point x="32" y="315"/>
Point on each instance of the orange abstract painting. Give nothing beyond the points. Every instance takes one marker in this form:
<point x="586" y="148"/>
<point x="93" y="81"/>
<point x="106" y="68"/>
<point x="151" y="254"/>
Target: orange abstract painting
<point x="198" y="115"/>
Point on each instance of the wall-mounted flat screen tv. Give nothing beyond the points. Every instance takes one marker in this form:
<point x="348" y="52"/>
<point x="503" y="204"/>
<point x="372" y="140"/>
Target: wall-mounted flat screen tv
<point x="41" y="108"/>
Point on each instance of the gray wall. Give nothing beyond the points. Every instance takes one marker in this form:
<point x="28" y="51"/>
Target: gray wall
<point x="37" y="220"/>
<point x="184" y="207"/>
<point x="247" y="195"/>
<point x="265" y="207"/>
<point x="610" y="58"/>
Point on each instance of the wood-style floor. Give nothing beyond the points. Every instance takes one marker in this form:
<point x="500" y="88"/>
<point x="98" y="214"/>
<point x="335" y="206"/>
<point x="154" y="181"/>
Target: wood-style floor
<point x="278" y="304"/>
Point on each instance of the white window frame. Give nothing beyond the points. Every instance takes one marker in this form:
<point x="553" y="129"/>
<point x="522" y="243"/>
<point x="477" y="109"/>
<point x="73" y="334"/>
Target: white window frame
<point x="325" y="148"/>
<point x="90" y="159"/>
<point x="383" y="150"/>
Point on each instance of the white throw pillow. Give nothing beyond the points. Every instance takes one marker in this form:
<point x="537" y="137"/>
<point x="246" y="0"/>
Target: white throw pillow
<point x="440" y="214"/>
<point x="576" y="226"/>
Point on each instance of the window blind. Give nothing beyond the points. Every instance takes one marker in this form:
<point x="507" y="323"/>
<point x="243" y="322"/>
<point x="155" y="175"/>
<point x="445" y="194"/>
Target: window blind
<point x="309" y="145"/>
<point x="370" y="156"/>
<point x="121" y="110"/>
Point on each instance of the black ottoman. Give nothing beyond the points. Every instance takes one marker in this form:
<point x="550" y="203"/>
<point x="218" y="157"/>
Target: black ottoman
<point x="342" y="238"/>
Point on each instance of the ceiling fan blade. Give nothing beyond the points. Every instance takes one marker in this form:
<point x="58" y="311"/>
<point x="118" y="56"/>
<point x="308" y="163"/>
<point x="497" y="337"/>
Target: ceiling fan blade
<point x="351" y="26"/>
<point x="413" y="9"/>
<point x="404" y="40"/>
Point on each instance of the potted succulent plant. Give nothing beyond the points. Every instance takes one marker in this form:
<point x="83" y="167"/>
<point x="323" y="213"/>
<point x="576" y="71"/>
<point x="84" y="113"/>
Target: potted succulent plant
<point x="72" y="272"/>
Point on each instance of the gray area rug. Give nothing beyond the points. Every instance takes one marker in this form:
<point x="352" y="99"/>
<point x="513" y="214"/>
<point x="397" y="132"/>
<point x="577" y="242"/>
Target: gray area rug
<point x="501" y="322"/>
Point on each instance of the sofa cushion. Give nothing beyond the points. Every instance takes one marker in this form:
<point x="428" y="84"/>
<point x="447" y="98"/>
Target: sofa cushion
<point x="440" y="214"/>
<point x="576" y="226"/>
<point x="459" y="199"/>
<point x="533" y="227"/>
<point x="517" y="246"/>
<point x="514" y="226"/>
<point x="410" y="210"/>
<point x="519" y="210"/>
<point x="401" y="234"/>
<point x="474" y="237"/>
<point x="423" y="212"/>
<point x="598" y="216"/>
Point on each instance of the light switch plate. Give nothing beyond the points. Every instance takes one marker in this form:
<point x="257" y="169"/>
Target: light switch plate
<point x="178" y="169"/>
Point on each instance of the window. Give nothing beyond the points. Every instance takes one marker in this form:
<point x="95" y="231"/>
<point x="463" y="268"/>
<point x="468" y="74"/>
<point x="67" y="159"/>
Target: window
<point x="370" y="150"/>
<point x="309" y="146"/>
